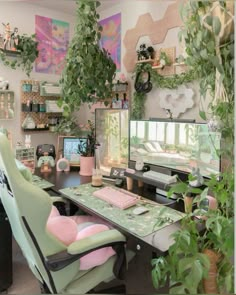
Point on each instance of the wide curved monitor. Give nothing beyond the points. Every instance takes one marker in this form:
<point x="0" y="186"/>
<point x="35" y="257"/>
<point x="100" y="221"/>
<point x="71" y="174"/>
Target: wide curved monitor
<point x="176" y="146"/>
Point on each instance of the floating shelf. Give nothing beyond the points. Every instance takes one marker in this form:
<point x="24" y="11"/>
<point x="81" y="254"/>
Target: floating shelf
<point x="10" y="52"/>
<point x="179" y="64"/>
<point x="158" y="67"/>
<point x="150" y="61"/>
<point x="35" y="129"/>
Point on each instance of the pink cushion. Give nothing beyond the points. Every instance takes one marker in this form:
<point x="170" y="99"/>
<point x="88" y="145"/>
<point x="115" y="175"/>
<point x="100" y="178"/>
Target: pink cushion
<point x="54" y="212"/>
<point x="87" y="218"/>
<point x="64" y="228"/>
<point x="96" y="257"/>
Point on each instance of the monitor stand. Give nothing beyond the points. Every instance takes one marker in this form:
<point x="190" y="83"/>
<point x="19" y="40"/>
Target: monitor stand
<point x="164" y="193"/>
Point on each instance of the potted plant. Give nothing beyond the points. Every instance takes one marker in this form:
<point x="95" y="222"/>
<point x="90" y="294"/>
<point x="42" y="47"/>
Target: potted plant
<point x="25" y="54"/>
<point x="67" y="126"/>
<point x="89" y="70"/>
<point x="87" y="150"/>
<point x="200" y="261"/>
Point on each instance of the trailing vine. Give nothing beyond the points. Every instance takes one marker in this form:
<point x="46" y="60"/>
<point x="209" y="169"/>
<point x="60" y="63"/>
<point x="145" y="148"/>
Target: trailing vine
<point x="159" y="81"/>
<point x="89" y="70"/>
<point x="208" y="56"/>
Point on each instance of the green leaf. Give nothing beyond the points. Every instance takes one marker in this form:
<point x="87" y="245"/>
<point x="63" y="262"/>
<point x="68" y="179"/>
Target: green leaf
<point x="208" y="20"/>
<point x="216" y="25"/>
<point x="178" y="290"/>
<point x="215" y="61"/>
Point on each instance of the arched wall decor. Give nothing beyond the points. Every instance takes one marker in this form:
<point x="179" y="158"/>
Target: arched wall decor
<point x="178" y="100"/>
<point x="155" y="30"/>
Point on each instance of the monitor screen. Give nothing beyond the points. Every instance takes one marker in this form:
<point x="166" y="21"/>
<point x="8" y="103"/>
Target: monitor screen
<point x="112" y="132"/>
<point x="71" y="150"/>
<point x="176" y="146"/>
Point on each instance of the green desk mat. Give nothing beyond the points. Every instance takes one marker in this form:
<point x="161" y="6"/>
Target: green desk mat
<point x="158" y="216"/>
<point x="40" y="182"/>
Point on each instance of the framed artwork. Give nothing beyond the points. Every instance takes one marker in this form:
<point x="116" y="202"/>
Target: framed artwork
<point x="53" y="38"/>
<point x="111" y="38"/>
<point x="7" y="105"/>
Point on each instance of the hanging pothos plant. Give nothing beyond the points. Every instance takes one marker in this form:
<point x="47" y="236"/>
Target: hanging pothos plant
<point x="24" y="56"/>
<point x="89" y="69"/>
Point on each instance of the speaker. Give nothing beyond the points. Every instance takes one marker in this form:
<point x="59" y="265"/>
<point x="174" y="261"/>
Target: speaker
<point x="63" y="165"/>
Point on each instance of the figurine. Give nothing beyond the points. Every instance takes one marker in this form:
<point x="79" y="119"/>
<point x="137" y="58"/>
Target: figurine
<point x="27" y="141"/>
<point x="125" y="102"/>
<point x="116" y="102"/>
<point x="198" y="179"/>
<point x="7" y="36"/>
<point x="139" y="164"/>
<point x="4" y="84"/>
<point x="14" y="39"/>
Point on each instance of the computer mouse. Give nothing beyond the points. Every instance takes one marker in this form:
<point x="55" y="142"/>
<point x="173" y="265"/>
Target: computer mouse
<point x="140" y="210"/>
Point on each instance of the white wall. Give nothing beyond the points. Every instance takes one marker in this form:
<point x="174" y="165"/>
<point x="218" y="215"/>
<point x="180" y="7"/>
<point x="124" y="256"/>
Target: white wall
<point x="130" y="12"/>
<point x="22" y="15"/>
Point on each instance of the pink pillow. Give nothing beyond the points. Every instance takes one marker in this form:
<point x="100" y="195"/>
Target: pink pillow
<point x="87" y="218"/>
<point x="54" y="212"/>
<point x="63" y="228"/>
<point x="96" y="257"/>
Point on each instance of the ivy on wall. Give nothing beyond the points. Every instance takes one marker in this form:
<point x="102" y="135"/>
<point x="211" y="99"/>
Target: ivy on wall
<point x="158" y="81"/>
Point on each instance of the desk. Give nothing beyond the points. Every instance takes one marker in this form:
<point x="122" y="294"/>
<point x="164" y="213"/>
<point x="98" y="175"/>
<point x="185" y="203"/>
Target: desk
<point x="138" y="279"/>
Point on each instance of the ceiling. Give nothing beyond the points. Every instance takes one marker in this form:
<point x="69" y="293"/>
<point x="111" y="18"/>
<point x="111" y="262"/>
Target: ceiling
<point x="66" y="6"/>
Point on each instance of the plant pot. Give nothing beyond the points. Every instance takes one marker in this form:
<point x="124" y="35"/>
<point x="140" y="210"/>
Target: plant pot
<point x="210" y="283"/>
<point x="188" y="204"/>
<point x="86" y="166"/>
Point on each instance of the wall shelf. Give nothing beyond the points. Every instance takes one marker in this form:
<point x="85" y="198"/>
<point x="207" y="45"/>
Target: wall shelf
<point x="179" y="64"/>
<point x="10" y="52"/>
<point x="35" y="129"/>
<point x="158" y="67"/>
<point x="150" y="61"/>
<point x="40" y="118"/>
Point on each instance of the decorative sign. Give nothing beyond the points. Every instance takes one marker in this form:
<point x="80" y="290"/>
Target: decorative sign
<point x="7" y="105"/>
<point x="111" y="38"/>
<point x="53" y="39"/>
<point x="117" y="172"/>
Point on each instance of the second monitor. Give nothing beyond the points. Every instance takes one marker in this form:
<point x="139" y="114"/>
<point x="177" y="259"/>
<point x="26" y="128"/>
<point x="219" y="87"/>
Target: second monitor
<point x="71" y="149"/>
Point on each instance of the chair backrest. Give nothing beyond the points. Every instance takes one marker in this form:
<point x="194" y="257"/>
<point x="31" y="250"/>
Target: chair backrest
<point x="28" y="208"/>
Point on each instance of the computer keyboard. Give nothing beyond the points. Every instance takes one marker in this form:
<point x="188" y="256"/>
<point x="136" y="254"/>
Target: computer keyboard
<point x="119" y="198"/>
<point x="161" y="177"/>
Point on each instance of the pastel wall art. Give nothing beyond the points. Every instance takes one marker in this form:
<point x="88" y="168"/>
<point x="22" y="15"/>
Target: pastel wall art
<point x="53" y="39"/>
<point x="111" y="38"/>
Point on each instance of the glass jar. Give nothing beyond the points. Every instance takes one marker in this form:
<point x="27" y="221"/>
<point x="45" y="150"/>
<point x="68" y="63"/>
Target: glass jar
<point x="97" y="178"/>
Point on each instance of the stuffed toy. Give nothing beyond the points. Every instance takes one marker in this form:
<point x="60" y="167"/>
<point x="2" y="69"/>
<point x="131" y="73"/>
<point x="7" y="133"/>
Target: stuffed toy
<point x="68" y="229"/>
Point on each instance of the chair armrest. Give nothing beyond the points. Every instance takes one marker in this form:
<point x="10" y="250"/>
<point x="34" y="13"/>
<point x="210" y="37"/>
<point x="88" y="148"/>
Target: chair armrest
<point x="58" y="199"/>
<point x="101" y="239"/>
<point x="78" y="249"/>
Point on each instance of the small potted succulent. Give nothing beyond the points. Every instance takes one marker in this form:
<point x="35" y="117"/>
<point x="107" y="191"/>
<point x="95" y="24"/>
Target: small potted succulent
<point x="87" y="150"/>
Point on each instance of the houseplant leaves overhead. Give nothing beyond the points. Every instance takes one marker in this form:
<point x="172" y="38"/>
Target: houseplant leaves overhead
<point x="89" y="69"/>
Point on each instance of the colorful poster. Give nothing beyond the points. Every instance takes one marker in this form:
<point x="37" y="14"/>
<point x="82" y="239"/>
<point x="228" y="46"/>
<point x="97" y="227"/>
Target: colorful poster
<point x="111" y="37"/>
<point x="53" y="39"/>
